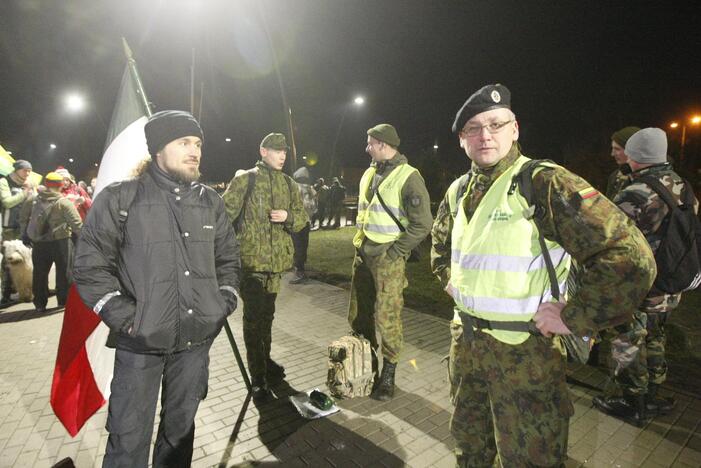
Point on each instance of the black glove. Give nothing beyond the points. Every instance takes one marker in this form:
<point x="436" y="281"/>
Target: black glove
<point x="230" y="299"/>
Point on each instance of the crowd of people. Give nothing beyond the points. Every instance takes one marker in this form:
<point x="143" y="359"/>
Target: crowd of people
<point x="48" y="218"/>
<point x="163" y="260"/>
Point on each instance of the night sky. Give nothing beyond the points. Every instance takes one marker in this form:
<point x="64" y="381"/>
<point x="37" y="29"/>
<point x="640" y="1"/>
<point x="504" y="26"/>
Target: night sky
<point x="577" y="72"/>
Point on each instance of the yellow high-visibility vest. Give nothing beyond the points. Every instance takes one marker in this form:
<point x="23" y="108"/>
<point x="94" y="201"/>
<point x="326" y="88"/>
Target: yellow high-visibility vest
<point x="497" y="270"/>
<point x="372" y="220"/>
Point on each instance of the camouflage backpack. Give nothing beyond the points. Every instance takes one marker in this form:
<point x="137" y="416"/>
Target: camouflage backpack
<point x="350" y="367"/>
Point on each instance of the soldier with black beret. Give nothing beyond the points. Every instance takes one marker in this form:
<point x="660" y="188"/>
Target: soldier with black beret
<point x="507" y="364"/>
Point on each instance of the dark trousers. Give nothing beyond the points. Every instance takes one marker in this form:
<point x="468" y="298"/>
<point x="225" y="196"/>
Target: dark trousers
<point x="137" y="378"/>
<point x="301" y="242"/>
<point x="44" y="254"/>
<point x="258" y="291"/>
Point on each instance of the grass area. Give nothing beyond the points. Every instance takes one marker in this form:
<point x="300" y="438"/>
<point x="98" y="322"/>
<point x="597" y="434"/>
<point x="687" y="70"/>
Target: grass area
<point x="331" y="258"/>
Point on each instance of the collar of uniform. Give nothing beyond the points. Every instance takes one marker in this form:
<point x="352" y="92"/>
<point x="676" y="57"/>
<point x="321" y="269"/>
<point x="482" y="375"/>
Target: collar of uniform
<point x="652" y="170"/>
<point x="262" y="166"/>
<point x="394" y="161"/>
<point x="499" y="168"/>
<point x="167" y="182"/>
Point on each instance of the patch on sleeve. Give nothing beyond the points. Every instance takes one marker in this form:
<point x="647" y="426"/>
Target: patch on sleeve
<point x="415" y="201"/>
<point x="588" y="192"/>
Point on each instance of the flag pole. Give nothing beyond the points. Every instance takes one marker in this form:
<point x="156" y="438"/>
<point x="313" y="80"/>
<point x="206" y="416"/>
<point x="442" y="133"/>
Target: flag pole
<point x="135" y="75"/>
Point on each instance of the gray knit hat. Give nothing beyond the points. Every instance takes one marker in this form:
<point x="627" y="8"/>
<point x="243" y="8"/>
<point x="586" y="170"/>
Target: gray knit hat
<point x="648" y="146"/>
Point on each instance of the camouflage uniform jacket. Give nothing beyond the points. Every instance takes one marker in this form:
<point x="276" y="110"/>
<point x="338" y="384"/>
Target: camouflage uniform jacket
<point x="616" y="181"/>
<point x="416" y="203"/>
<point x="648" y="211"/>
<point x="619" y="265"/>
<point x="265" y="246"/>
<point x="63" y="219"/>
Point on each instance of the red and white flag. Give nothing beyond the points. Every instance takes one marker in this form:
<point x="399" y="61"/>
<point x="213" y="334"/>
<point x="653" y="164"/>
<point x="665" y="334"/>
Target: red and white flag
<point x="84" y="365"/>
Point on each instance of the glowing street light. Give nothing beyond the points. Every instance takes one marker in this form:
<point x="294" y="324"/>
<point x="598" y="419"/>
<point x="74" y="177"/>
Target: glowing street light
<point x="52" y="146"/>
<point x="359" y="100"/>
<point x="228" y="140"/>
<point x="74" y="102"/>
<point x="70" y="160"/>
<point x="694" y="120"/>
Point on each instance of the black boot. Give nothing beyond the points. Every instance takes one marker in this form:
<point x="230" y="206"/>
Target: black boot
<point x="629" y="408"/>
<point x="657" y="405"/>
<point x="260" y="391"/>
<point x="274" y="372"/>
<point x="385" y="390"/>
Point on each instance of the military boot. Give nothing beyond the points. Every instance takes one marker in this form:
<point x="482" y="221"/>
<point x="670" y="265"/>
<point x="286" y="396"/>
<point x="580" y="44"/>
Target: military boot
<point x="274" y="372"/>
<point x="385" y="389"/>
<point x="658" y="405"/>
<point x="629" y="407"/>
<point x="260" y="391"/>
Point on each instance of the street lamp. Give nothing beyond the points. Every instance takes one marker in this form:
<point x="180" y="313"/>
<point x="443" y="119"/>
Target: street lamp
<point x="695" y="120"/>
<point x="358" y="101"/>
<point x="74" y="102"/>
<point x="52" y="146"/>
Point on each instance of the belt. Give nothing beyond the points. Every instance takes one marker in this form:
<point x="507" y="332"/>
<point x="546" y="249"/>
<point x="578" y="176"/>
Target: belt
<point x="470" y="322"/>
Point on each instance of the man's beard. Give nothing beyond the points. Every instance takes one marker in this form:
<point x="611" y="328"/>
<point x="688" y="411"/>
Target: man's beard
<point x="185" y="176"/>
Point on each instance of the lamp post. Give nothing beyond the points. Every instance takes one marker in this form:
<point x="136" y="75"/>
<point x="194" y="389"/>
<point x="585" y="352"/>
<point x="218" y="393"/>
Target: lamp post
<point x="695" y="120"/>
<point x="358" y="101"/>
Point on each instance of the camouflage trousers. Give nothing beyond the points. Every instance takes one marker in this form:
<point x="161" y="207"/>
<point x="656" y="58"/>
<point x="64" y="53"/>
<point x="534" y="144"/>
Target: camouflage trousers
<point x="376" y="301"/>
<point x="7" y="285"/>
<point x="512" y="405"/>
<point x="638" y="352"/>
<point x="258" y="291"/>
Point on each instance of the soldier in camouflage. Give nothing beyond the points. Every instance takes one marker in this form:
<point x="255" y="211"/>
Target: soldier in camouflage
<point x="383" y="244"/>
<point x="512" y="405"/>
<point x="265" y="206"/>
<point x="639" y="348"/>
<point x="617" y="180"/>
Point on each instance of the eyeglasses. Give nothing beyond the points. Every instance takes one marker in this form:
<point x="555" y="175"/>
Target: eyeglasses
<point x="492" y="128"/>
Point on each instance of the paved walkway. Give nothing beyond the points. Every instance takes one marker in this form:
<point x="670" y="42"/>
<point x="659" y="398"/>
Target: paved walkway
<point x="411" y="430"/>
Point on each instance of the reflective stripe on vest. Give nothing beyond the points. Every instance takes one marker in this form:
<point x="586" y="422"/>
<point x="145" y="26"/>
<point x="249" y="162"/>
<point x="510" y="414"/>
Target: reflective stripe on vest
<point x="372" y="220"/>
<point x="498" y="272"/>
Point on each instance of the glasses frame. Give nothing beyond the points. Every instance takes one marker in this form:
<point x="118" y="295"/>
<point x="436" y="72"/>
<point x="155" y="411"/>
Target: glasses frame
<point x="492" y="128"/>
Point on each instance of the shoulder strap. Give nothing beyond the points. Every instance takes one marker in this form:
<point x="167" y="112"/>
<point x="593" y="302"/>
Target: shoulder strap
<point x="127" y="193"/>
<point x="391" y="215"/>
<point x="251" y="183"/>
<point x="524" y="181"/>
<point x="462" y="188"/>
<point x="664" y="193"/>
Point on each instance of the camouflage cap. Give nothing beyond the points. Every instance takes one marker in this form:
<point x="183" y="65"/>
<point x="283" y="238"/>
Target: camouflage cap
<point x="385" y="133"/>
<point x="493" y="96"/>
<point x="274" y="141"/>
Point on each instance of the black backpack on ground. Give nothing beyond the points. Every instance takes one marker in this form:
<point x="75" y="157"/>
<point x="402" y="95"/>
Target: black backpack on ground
<point x="678" y="256"/>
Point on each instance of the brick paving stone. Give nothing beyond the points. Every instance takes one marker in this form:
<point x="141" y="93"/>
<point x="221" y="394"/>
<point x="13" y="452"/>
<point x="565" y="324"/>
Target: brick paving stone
<point x="410" y="430"/>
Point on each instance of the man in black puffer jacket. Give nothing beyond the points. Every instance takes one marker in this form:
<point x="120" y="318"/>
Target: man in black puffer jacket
<point x="163" y="277"/>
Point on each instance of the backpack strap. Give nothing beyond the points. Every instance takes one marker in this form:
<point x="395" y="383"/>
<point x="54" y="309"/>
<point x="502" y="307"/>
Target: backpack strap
<point x="391" y="215"/>
<point x="664" y="193"/>
<point x="524" y="182"/>
<point x="251" y="183"/>
<point x="125" y="197"/>
<point x="462" y="188"/>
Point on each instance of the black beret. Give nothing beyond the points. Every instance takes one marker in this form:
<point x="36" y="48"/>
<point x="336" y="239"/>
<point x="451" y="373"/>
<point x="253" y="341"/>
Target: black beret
<point x="166" y="126"/>
<point x="493" y="96"/>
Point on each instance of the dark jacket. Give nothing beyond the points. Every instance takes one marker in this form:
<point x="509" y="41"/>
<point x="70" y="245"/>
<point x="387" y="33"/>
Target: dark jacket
<point x="169" y="280"/>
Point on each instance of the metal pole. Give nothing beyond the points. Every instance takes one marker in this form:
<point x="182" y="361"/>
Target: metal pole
<point x="192" y="83"/>
<point x="135" y="76"/>
<point x="681" y="150"/>
<point x="335" y="142"/>
<point x="237" y="355"/>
